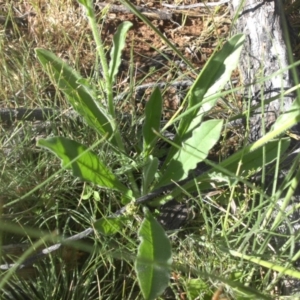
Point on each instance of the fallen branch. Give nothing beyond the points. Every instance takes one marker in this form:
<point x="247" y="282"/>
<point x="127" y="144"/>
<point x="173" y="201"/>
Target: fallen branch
<point x="142" y="200"/>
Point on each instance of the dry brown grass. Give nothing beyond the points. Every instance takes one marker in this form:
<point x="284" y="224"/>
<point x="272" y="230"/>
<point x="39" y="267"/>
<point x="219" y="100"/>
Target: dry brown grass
<point x="59" y="26"/>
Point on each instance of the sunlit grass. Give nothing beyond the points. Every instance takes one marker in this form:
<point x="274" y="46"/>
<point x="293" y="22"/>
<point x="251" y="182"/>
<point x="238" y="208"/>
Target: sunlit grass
<point x="230" y="218"/>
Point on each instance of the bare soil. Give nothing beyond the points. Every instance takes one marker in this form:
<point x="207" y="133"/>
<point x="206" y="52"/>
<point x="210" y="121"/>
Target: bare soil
<point x="63" y="28"/>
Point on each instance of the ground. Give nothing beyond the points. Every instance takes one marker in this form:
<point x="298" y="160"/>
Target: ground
<point x="62" y="28"/>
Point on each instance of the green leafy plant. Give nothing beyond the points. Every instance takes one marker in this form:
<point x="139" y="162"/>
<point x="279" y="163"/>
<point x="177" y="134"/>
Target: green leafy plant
<point x="193" y="140"/>
<point x="154" y="258"/>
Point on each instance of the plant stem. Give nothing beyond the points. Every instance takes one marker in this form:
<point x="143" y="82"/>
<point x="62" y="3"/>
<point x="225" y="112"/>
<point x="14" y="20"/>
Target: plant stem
<point x="101" y="53"/>
<point x="108" y="85"/>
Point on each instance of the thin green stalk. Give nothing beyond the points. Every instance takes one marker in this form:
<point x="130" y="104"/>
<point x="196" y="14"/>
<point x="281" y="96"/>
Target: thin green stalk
<point x="231" y="197"/>
<point x="267" y="264"/>
<point x="101" y="53"/>
<point x="287" y="199"/>
<point x="25" y="255"/>
<point x="281" y="212"/>
<point x="108" y="85"/>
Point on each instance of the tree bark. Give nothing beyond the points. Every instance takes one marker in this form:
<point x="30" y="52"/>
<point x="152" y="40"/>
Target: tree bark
<point x="265" y="53"/>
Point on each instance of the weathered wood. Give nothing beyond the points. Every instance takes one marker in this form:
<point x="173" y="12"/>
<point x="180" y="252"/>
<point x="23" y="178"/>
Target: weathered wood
<point x="15" y="250"/>
<point x="69" y="255"/>
<point x="27" y="114"/>
<point x="264" y="54"/>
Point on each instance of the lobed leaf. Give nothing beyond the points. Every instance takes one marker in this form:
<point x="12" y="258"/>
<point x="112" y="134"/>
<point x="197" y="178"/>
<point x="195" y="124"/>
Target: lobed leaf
<point x="253" y="161"/>
<point x="213" y="77"/>
<point x="292" y="117"/>
<point x="225" y="172"/>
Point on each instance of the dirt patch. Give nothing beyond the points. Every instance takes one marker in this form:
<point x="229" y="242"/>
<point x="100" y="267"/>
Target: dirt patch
<point x="61" y="26"/>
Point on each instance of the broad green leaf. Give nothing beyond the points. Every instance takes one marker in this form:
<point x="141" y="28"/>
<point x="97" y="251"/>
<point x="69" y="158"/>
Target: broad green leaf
<point x="127" y="198"/>
<point x="194" y="150"/>
<point x="109" y="225"/>
<point x="84" y="2"/>
<point x="196" y="287"/>
<point x="88" y="87"/>
<point x="213" y="77"/>
<point x="149" y="171"/>
<point x="116" y="51"/>
<point x="96" y="196"/>
<point x="250" y="162"/>
<point x="153" y="111"/>
<point x="84" y="163"/>
<point x="225" y="172"/>
<point x="154" y="258"/>
<point x="80" y="96"/>
<point x="87" y="192"/>
<point x="88" y="5"/>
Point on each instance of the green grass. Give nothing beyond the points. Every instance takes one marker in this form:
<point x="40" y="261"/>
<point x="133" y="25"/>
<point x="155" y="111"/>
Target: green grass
<point x="37" y="194"/>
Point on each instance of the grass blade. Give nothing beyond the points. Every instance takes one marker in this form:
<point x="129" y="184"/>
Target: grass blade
<point x="270" y="265"/>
